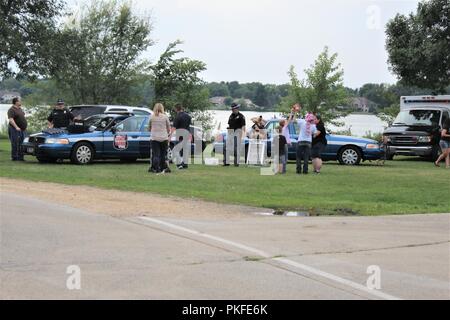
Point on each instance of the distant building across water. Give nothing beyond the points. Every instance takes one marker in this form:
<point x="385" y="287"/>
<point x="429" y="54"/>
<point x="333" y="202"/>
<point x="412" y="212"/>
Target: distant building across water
<point x="6" y="96"/>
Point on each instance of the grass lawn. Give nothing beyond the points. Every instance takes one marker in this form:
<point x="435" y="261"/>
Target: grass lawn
<point x="404" y="186"/>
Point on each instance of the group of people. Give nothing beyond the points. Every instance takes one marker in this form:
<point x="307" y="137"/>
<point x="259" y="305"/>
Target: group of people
<point x="311" y="141"/>
<point x="161" y="133"/>
<point x="59" y="118"/>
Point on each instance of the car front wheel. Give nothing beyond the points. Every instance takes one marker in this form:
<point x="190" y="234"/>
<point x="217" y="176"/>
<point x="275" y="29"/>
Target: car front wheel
<point x="350" y="156"/>
<point x="82" y="154"/>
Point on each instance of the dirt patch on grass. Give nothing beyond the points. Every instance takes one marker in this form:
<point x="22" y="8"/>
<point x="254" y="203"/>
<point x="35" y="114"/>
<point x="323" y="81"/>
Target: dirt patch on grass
<point x="124" y="204"/>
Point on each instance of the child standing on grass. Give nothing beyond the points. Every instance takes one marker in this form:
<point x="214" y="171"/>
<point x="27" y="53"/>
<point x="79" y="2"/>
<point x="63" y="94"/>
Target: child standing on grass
<point x="282" y="143"/>
<point x="284" y="124"/>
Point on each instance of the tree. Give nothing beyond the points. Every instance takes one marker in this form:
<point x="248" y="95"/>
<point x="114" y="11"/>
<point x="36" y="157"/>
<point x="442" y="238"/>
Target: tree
<point x="233" y="87"/>
<point x="418" y="46"/>
<point x="322" y="91"/>
<point x="260" y="96"/>
<point x="26" y="30"/>
<point x="295" y="94"/>
<point x="379" y="94"/>
<point x="389" y="114"/>
<point x="218" y="89"/>
<point x="177" y="80"/>
<point x="98" y="53"/>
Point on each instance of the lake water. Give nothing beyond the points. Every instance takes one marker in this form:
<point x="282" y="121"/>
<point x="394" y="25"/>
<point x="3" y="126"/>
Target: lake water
<point x="359" y="124"/>
<point x="3" y="113"/>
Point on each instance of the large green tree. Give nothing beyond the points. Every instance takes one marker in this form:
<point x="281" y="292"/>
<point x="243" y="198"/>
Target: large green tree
<point x="177" y="80"/>
<point x="26" y="31"/>
<point x="322" y="91"/>
<point x="418" y="46"/>
<point x="98" y="53"/>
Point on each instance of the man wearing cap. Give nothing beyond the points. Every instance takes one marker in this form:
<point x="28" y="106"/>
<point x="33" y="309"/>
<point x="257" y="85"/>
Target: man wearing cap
<point x="236" y="132"/>
<point x="60" y="117"/>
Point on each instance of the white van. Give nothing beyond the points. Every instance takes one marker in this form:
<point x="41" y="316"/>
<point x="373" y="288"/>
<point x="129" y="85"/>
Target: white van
<point x="85" y="111"/>
<point x="416" y="130"/>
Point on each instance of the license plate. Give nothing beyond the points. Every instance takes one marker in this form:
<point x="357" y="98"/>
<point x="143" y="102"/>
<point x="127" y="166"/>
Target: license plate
<point x="30" y="150"/>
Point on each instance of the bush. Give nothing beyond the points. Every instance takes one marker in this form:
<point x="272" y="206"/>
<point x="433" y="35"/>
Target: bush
<point x="374" y="136"/>
<point x="344" y="132"/>
<point x="37" y="117"/>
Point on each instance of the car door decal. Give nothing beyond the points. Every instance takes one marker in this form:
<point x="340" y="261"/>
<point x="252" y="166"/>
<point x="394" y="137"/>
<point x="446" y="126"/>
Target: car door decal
<point x="120" y="142"/>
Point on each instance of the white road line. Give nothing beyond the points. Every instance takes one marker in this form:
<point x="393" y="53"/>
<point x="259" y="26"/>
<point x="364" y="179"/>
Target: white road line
<point x="291" y="263"/>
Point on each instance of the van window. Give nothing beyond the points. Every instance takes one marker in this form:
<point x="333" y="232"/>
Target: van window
<point x="418" y="117"/>
<point x="141" y="112"/>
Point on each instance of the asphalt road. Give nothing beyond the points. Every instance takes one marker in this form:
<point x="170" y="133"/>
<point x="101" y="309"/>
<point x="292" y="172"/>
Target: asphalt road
<point x="249" y="258"/>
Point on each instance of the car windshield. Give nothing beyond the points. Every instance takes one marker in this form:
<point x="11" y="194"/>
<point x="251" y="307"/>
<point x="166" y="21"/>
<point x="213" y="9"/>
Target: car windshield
<point x="418" y="118"/>
<point x="84" y="112"/>
<point x="98" y="122"/>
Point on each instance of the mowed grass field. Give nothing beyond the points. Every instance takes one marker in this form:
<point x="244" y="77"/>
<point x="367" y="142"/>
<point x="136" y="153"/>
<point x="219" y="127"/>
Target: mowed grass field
<point x="403" y="186"/>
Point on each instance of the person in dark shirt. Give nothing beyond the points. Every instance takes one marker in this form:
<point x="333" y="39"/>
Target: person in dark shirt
<point x="282" y="143"/>
<point x="445" y="145"/>
<point x="60" y="117"/>
<point x="182" y="121"/>
<point x="319" y="144"/>
<point x="16" y="129"/>
<point x="236" y="129"/>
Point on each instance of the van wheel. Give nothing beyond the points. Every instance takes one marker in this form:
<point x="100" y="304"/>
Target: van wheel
<point x="82" y="154"/>
<point x="350" y="156"/>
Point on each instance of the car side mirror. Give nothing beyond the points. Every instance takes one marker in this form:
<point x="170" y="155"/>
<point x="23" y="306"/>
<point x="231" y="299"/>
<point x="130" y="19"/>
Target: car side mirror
<point x="114" y="130"/>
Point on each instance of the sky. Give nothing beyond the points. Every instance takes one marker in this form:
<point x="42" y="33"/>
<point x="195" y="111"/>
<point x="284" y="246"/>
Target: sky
<point x="258" y="40"/>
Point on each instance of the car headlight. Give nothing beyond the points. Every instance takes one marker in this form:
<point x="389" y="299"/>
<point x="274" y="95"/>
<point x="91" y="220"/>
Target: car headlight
<point x="56" y="141"/>
<point x="424" y="139"/>
<point x="387" y="139"/>
<point x="373" y="146"/>
<point x="26" y="140"/>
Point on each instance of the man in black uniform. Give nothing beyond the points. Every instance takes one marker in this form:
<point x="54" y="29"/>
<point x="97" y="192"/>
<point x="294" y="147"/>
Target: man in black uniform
<point x="236" y="132"/>
<point x="182" y="121"/>
<point x="60" y="117"/>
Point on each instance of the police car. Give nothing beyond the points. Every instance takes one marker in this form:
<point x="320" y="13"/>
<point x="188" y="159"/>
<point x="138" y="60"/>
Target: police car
<point x="104" y="136"/>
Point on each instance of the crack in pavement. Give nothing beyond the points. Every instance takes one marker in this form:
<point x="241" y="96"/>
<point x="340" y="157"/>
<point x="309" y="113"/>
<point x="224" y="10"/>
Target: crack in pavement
<point x="371" y="249"/>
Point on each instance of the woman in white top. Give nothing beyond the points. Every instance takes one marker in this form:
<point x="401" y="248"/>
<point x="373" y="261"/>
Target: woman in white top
<point x="160" y="132"/>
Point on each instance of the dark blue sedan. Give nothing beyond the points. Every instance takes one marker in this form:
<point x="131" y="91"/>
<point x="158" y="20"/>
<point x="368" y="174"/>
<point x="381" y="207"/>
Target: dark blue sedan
<point x="345" y="149"/>
<point x="105" y="136"/>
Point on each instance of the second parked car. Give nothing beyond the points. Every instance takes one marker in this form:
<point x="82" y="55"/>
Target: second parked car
<point x="345" y="149"/>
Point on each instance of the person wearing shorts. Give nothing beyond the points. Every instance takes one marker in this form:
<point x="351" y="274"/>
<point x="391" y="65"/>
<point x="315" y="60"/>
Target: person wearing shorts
<point x="319" y="144"/>
<point x="445" y="145"/>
